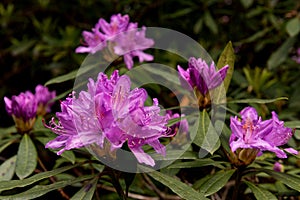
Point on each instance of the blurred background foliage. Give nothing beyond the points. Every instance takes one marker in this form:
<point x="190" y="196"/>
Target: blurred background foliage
<point x="39" y="38"/>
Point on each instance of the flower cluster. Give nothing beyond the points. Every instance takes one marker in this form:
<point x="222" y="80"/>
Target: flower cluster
<point x="251" y="132"/>
<point x="24" y="107"/>
<point x="122" y="36"/>
<point x="110" y="111"/>
<point x="201" y="78"/>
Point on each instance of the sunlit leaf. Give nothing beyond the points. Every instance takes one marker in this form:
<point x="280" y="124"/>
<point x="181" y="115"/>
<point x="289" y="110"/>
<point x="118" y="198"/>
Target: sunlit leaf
<point x="227" y="57"/>
<point x="26" y="157"/>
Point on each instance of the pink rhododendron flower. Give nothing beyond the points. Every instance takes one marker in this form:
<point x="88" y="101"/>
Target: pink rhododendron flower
<point x="110" y="111"/>
<point x="123" y="36"/>
<point x="251" y="132"/>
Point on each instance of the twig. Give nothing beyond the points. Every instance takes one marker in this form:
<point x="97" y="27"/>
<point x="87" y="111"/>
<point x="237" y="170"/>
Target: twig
<point x="52" y="179"/>
<point x="228" y="186"/>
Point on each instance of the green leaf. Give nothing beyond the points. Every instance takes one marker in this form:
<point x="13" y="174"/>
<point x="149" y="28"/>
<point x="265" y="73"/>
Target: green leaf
<point x="4" y="146"/>
<point x="198" y="25"/>
<point x="175" y="154"/>
<point x="292" y="124"/>
<point x="293" y="26"/>
<point x="259" y="101"/>
<point x="207" y="137"/>
<point x="87" y="67"/>
<point x="26" y="158"/>
<point x="247" y="3"/>
<point x="22" y="46"/>
<point x="7" y="185"/>
<point x="7" y="169"/>
<point x="215" y="182"/>
<point x="198" y="163"/>
<point x="288" y="179"/>
<point x="40" y="190"/>
<point x="280" y="55"/>
<point x="178" y="187"/>
<point x="87" y="191"/>
<point x="225" y="135"/>
<point x="255" y="37"/>
<point x="11" y="129"/>
<point x="69" y="155"/>
<point x="179" y="13"/>
<point x="210" y="22"/>
<point x="66" y="77"/>
<point x="227" y="57"/>
<point x="260" y="193"/>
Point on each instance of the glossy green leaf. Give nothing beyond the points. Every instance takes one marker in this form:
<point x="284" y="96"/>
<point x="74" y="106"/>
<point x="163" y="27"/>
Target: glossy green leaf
<point x="87" y="191"/>
<point x="280" y="55"/>
<point x="26" y="158"/>
<point x="207" y="138"/>
<point x="178" y="187"/>
<point x="40" y="190"/>
<point x="260" y="193"/>
<point x="215" y="182"/>
<point x="292" y="181"/>
<point x="259" y="101"/>
<point x="7" y="185"/>
<point x="7" y="169"/>
<point x="293" y="26"/>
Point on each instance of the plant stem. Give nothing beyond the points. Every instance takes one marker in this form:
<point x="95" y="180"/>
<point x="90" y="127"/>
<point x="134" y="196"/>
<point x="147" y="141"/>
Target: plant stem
<point x="116" y="184"/>
<point x="237" y="183"/>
